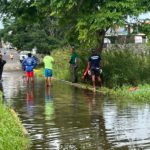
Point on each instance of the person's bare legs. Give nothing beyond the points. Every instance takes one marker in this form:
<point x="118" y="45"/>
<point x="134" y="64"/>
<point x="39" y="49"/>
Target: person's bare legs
<point x="28" y="80"/>
<point x="31" y="80"/>
<point x="99" y="80"/>
<point x="93" y="80"/>
<point x="48" y="81"/>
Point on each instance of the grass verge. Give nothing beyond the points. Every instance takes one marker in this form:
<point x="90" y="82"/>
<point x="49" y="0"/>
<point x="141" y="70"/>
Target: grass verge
<point x="138" y="93"/>
<point x="120" y="68"/>
<point x="12" y="136"/>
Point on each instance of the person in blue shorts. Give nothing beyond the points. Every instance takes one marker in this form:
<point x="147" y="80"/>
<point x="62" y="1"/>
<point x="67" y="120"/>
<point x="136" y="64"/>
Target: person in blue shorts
<point x="48" y="68"/>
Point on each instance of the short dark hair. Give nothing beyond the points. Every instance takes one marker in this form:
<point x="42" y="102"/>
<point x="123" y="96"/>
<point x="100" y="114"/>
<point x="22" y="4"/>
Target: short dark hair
<point x="29" y="54"/>
<point x="48" y="52"/>
<point x="93" y="50"/>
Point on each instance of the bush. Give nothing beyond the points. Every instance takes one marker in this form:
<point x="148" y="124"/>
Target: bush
<point x="120" y="67"/>
<point x="125" y="67"/>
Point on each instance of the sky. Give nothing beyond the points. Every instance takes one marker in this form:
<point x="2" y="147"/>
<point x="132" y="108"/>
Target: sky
<point x="142" y="16"/>
<point x="145" y="16"/>
<point x="1" y="26"/>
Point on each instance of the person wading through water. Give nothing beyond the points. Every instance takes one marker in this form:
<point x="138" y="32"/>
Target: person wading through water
<point x="48" y="68"/>
<point x="94" y="65"/>
<point x="29" y="64"/>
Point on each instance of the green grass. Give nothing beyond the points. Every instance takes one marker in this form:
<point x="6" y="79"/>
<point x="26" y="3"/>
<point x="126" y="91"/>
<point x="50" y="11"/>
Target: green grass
<point x="122" y="69"/>
<point x="12" y="136"/>
<point x="139" y="93"/>
<point x="61" y="65"/>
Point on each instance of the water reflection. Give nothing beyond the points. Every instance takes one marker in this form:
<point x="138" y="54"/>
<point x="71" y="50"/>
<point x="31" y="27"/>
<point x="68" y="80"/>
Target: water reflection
<point x="49" y="105"/>
<point x="30" y="100"/>
<point x="64" y="117"/>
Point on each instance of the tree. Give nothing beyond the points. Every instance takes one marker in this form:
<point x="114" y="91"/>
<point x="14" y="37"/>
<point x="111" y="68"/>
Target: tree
<point x="26" y="36"/>
<point x="78" y="21"/>
<point x="145" y="28"/>
<point x="30" y="25"/>
<point x="91" y="19"/>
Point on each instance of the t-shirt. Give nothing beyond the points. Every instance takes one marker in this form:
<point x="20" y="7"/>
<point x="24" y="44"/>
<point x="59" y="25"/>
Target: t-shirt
<point x="29" y="64"/>
<point x="2" y="63"/>
<point x="95" y="61"/>
<point x="74" y="56"/>
<point x="48" y="62"/>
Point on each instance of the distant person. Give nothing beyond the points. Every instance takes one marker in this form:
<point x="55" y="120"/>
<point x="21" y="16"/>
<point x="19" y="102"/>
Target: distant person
<point x="94" y="64"/>
<point x="23" y="67"/>
<point x="48" y="68"/>
<point x="29" y="64"/>
<point x="11" y="56"/>
<point x="74" y="65"/>
<point x="2" y="63"/>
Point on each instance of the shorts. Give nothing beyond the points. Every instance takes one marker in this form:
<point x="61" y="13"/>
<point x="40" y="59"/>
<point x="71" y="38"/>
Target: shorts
<point x="48" y="73"/>
<point x="29" y="74"/>
<point x="95" y="72"/>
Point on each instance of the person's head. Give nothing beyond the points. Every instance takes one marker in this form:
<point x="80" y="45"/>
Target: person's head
<point x="73" y="49"/>
<point x="48" y="53"/>
<point x="93" y="50"/>
<point x="29" y="54"/>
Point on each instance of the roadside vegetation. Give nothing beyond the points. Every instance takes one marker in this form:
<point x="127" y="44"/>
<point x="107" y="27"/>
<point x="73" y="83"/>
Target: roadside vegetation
<point x="125" y="73"/>
<point x="12" y="136"/>
<point x="140" y="93"/>
<point x="51" y="25"/>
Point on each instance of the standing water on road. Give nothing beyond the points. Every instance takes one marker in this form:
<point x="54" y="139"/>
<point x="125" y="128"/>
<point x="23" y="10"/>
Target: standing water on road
<point x="64" y="117"/>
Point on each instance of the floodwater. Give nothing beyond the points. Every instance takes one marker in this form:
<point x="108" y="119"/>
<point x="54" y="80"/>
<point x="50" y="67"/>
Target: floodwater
<point x="64" y="117"/>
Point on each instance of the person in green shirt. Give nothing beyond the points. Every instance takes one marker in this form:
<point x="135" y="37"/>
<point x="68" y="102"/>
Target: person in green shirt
<point x="48" y="68"/>
<point x="74" y="65"/>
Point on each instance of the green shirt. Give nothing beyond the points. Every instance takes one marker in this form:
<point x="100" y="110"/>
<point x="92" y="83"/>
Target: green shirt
<point x="74" y="56"/>
<point x="48" y="62"/>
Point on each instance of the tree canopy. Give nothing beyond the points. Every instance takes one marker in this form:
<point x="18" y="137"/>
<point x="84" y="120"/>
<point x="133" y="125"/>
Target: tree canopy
<point x="74" y="21"/>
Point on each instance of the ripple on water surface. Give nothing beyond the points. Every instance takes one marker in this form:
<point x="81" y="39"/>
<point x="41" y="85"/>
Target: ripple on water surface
<point x="67" y="118"/>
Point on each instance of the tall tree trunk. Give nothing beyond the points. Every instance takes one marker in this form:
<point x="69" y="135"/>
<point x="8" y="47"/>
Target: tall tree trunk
<point x="100" y="39"/>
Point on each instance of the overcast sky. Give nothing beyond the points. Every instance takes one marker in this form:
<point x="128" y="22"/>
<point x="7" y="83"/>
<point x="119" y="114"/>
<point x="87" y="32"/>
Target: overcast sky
<point x="142" y="16"/>
<point x="1" y="26"/>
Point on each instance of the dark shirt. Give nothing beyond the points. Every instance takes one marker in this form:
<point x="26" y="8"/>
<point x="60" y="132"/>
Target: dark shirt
<point x="2" y="63"/>
<point x="95" y="61"/>
<point x="73" y="60"/>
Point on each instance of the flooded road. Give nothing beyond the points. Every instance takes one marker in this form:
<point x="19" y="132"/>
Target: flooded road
<point x="64" y="117"/>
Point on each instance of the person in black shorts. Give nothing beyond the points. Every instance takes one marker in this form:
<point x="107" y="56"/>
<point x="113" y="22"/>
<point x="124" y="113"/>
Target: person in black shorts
<point x="94" y="64"/>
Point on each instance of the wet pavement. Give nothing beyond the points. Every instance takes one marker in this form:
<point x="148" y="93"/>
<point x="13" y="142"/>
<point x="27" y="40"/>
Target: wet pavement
<point x="64" y="117"/>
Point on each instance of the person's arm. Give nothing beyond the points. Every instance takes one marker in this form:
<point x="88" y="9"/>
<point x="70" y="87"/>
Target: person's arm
<point x="34" y="63"/>
<point x="101" y="62"/>
<point x="23" y="64"/>
<point x="53" y="60"/>
<point x="89" y="63"/>
<point x="76" y="61"/>
<point x="4" y="62"/>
